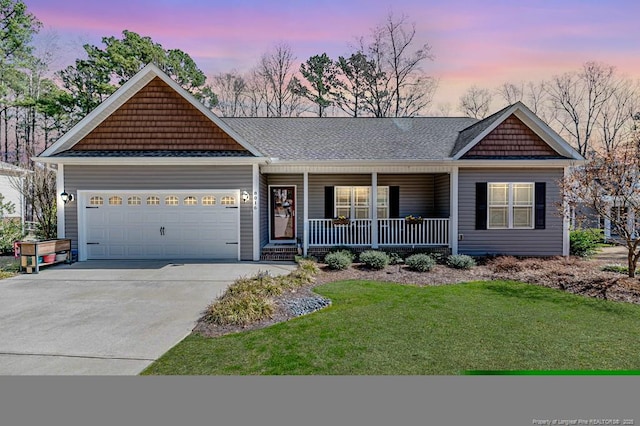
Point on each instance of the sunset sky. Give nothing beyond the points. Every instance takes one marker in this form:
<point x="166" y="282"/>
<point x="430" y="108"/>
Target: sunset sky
<point x="484" y="42"/>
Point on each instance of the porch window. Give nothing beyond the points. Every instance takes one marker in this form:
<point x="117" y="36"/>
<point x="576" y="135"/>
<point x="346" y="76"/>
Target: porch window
<point x="510" y="205"/>
<point x="355" y="201"/>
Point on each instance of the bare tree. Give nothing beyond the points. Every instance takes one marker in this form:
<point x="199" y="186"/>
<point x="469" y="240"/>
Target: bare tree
<point x="275" y="69"/>
<point x="475" y="102"/>
<point x="394" y="83"/>
<point x="510" y="92"/>
<point x="579" y="98"/>
<point x="230" y="89"/>
<point x="39" y="192"/>
<point x="608" y="185"/>
<point x="404" y="65"/>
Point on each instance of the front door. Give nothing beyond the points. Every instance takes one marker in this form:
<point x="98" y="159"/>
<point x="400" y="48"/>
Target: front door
<point x="283" y="212"/>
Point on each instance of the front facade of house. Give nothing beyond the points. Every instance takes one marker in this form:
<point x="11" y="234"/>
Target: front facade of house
<point x="155" y="175"/>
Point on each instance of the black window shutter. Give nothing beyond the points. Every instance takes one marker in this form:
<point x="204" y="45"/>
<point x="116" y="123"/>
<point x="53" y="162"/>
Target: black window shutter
<point x="329" y="204"/>
<point x="394" y="201"/>
<point x="481" y="205"/>
<point x="540" y="205"/>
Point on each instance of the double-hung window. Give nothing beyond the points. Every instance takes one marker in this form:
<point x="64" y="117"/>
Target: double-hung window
<point x="510" y="205"/>
<point x="355" y="201"/>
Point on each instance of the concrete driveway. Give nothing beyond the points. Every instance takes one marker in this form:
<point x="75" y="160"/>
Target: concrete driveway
<point x="106" y="317"/>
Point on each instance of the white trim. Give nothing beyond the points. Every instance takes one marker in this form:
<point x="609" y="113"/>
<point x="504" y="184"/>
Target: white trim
<point x="295" y="212"/>
<point x="406" y="167"/>
<point x="453" y="216"/>
<point x="111" y="161"/>
<point x="126" y="92"/>
<point x="305" y="217"/>
<point x="256" y="212"/>
<point x="510" y="206"/>
<point x="534" y="123"/>
<point x="373" y="205"/>
<point x="60" y="206"/>
<point x="82" y="221"/>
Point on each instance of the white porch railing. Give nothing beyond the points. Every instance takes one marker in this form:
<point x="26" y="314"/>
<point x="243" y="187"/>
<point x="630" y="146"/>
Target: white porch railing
<point x="322" y="232"/>
<point x="429" y="232"/>
<point x="391" y="232"/>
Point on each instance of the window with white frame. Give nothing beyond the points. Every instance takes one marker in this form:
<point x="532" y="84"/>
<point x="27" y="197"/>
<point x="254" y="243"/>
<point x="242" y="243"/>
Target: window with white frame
<point x="510" y="205"/>
<point x="355" y="202"/>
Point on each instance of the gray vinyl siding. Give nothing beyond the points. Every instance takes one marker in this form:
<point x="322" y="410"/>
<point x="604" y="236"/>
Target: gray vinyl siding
<point x="264" y="211"/>
<point x="296" y="180"/>
<point x="416" y="193"/>
<point x="525" y="242"/>
<point x="161" y="178"/>
<point x="442" y="196"/>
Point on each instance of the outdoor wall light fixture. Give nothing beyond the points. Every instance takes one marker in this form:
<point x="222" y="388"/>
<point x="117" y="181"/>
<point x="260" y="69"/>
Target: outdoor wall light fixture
<point x="66" y="197"/>
<point x="246" y="197"/>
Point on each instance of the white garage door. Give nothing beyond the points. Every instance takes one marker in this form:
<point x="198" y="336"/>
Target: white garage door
<point x="161" y="225"/>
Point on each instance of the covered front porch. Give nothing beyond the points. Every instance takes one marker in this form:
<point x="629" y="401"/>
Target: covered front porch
<point x="307" y="212"/>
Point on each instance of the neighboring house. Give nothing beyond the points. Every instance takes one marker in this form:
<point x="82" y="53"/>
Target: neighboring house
<point x="156" y="175"/>
<point x="11" y="179"/>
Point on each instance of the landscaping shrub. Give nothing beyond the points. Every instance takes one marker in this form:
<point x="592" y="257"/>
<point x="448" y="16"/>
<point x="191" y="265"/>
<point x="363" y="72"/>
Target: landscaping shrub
<point x="374" y="259"/>
<point x="583" y="242"/>
<point x="395" y="258"/>
<point x="420" y="262"/>
<point x="345" y="250"/>
<point x="239" y="309"/>
<point x="461" y="261"/>
<point x="260" y="285"/>
<point x="338" y="260"/>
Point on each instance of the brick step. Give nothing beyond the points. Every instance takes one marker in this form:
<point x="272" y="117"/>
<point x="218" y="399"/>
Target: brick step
<point x="278" y="253"/>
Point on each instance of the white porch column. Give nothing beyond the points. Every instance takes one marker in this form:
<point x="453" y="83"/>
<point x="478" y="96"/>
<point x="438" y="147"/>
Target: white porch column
<point x="255" y="198"/>
<point x="59" y="203"/>
<point x="566" y="222"/>
<point x="305" y="215"/>
<point x="374" y="210"/>
<point x="607" y="223"/>
<point x="453" y="219"/>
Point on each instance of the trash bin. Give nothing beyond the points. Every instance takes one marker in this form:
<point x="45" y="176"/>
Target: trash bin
<point x="74" y="255"/>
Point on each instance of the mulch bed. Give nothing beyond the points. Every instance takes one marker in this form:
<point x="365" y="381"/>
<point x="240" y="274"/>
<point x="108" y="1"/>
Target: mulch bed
<point x="574" y="275"/>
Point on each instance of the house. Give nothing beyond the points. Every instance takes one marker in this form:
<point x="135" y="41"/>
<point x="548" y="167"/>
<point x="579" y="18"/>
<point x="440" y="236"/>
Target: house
<point x="11" y="180"/>
<point x="156" y="175"/>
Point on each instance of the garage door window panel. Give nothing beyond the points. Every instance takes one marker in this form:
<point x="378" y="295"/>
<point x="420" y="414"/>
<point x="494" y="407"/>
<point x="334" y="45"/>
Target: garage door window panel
<point x="96" y="201"/>
<point x="134" y="201"/>
<point x="153" y="201"/>
<point x="115" y="201"/>
<point x="190" y="201"/>
<point x="171" y="200"/>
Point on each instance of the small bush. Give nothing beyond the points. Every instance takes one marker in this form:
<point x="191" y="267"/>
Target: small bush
<point x="345" y="250"/>
<point x="338" y="260"/>
<point x="461" y="261"/>
<point x="506" y="264"/>
<point x="240" y="309"/>
<point x="260" y="285"/>
<point x="308" y="265"/>
<point x="374" y="259"/>
<point x="583" y="242"/>
<point x="420" y="262"/>
<point x="395" y="258"/>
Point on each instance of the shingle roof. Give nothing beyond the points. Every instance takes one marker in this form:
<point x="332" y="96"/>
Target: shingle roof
<point x="471" y="132"/>
<point x="304" y="139"/>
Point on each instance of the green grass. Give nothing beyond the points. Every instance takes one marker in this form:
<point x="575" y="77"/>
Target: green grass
<point x="375" y="328"/>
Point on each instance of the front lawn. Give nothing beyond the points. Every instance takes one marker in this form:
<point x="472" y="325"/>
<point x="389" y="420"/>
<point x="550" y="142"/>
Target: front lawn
<point x="375" y="328"/>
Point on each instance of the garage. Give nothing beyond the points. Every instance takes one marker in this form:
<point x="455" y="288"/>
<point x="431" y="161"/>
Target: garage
<point x="198" y="224"/>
